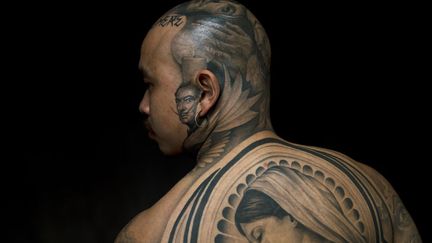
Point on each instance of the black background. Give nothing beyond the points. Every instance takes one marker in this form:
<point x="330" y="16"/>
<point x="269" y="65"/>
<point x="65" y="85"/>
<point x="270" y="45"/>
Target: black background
<point x="344" y="77"/>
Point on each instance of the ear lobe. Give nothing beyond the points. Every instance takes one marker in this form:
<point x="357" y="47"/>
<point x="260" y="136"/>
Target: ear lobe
<point x="210" y="88"/>
<point x="257" y="233"/>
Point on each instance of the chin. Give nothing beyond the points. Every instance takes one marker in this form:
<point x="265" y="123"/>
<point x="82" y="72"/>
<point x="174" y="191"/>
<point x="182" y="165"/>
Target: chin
<point x="170" y="150"/>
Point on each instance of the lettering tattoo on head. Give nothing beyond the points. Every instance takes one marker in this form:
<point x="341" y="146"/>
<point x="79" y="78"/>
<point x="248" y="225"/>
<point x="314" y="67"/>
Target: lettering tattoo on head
<point x="170" y="20"/>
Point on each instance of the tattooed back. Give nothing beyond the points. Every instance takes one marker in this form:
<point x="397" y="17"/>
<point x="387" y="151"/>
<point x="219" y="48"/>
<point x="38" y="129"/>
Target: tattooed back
<point x="270" y="190"/>
<point x="207" y="65"/>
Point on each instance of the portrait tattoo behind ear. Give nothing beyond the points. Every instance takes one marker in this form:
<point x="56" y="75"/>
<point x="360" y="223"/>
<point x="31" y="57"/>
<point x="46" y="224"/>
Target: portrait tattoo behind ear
<point x="248" y="185"/>
<point x="187" y="99"/>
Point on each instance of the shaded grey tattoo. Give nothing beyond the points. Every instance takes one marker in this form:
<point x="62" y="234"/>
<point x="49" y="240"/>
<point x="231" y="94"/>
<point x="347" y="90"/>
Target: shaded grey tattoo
<point x="289" y="197"/>
<point x="283" y="193"/>
<point x="406" y="230"/>
<point x="188" y="94"/>
<point x="187" y="98"/>
<point x="404" y="226"/>
<point x="301" y="194"/>
<point x="394" y="217"/>
<point x="402" y="217"/>
<point x="225" y="38"/>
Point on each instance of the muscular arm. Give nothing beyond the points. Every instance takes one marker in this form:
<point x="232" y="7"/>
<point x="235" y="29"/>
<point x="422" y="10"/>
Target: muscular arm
<point x="404" y="228"/>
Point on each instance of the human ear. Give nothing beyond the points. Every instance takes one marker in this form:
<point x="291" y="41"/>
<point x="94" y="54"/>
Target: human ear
<point x="210" y="89"/>
<point x="253" y="231"/>
<point x="290" y="220"/>
<point x="257" y="234"/>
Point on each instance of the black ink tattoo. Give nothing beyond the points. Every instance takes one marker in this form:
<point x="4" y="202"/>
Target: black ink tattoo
<point x="170" y="20"/>
<point x="187" y="98"/>
<point x="311" y="193"/>
<point x="226" y="39"/>
<point x="402" y="217"/>
<point x="289" y="189"/>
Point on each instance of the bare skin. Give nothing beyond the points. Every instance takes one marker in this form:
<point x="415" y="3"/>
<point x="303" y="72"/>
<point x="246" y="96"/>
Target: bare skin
<point x="316" y="195"/>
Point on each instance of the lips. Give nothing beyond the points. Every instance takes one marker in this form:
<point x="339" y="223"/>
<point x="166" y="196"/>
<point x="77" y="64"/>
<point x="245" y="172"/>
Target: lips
<point x="184" y="116"/>
<point x="149" y="128"/>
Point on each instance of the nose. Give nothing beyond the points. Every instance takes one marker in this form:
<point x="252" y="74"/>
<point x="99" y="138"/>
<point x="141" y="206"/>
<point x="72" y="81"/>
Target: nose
<point x="144" y="106"/>
<point x="181" y="106"/>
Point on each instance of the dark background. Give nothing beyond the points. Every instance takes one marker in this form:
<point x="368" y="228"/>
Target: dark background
<point x="344" y="77"/>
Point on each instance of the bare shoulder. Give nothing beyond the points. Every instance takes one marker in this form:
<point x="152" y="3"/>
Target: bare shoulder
<point x="149" y="225"/>
<point x="132" y="232"/>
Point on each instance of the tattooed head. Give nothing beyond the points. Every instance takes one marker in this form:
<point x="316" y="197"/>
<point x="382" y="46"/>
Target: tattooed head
<point x="225" y="39"/>
<point x="225" y="33"/>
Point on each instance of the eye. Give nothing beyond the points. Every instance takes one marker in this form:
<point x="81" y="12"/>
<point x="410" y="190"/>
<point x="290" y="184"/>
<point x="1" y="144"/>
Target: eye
<point x="148" y="85"/>
<point x="189" y="99"/>
<point x="228" y="9"/>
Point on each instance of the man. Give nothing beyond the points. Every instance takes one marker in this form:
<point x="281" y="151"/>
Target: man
<point x="207" y="64"/>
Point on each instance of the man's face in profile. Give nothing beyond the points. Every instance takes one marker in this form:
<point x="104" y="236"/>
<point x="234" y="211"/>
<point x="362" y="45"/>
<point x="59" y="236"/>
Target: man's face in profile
<point x="187" y="100"/>
<point x="164" y="76"/>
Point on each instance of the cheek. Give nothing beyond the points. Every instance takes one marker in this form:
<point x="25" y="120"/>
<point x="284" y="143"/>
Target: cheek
<point x="163" y="112"/>
<point x="171" y="136"/>
<point x="162" y="103"/>
<point x="170" y="132"/>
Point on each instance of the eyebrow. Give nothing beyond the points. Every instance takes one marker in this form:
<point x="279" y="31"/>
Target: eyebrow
<point x="146" y="74"/>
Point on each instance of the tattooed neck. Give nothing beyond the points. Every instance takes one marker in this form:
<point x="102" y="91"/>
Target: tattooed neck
<point x="219" y="144"/>
<point x="224" y="38"/>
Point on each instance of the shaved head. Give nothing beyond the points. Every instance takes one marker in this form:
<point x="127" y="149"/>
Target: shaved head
<point x="224" y="38"/>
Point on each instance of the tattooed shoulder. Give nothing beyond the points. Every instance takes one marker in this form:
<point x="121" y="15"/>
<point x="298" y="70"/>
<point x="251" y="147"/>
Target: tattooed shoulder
<point x="404" y="228"/>
<point x="270" y="190"/>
